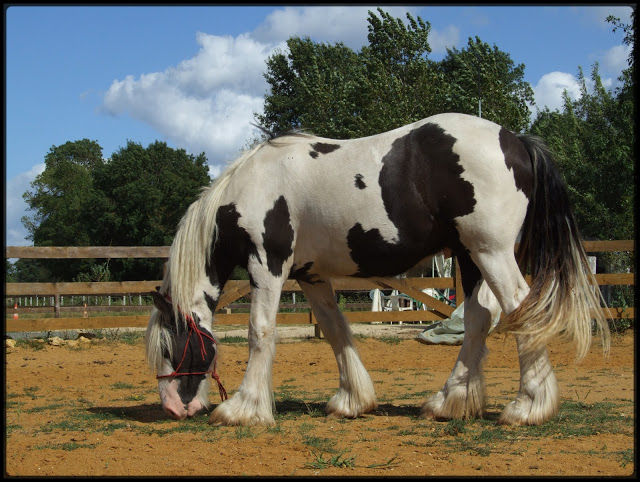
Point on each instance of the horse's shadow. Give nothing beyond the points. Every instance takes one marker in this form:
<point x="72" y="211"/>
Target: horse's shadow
<point x="153" y="412"/>
<point x="145" y="413"/>
<point x="317" y="409"/>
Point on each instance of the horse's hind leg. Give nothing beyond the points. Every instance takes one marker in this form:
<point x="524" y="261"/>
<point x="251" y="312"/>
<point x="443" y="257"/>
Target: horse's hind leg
<point x="356" y="394"/>
<point x="463" y="395"/>
<point x="537" y="399"/>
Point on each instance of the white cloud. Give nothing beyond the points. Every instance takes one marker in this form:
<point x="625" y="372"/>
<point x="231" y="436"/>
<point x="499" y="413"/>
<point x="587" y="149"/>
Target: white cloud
<point x="346" y="24"/>
<point x="439" y="41"/>
<point x="205" y="103"/>
<point x="16" y="207"/>
<point x="598" y="14"/>
<point x="615" y="59"/>
<point x="548" y="91"/>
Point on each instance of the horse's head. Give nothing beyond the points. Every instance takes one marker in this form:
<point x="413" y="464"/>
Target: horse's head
<point x="182" y="351"/>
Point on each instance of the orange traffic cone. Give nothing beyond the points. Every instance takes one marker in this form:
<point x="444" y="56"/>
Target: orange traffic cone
<point x="15" y="314"/>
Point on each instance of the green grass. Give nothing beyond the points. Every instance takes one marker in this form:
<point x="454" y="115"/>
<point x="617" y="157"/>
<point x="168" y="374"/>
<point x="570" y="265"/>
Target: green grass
<point x="122" y="386"/>
<point x="392" y="462"/>
<point x="66" y="446"/>
<point x="320" y="444"/>
<point x="340" y="461"/>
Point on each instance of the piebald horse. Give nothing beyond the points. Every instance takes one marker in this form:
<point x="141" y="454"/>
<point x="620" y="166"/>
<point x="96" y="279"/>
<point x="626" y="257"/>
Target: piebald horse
<point x="311" y="209"/>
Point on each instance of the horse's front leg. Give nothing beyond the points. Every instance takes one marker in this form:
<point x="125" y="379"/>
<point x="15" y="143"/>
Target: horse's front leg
<point x="253" y="403"/>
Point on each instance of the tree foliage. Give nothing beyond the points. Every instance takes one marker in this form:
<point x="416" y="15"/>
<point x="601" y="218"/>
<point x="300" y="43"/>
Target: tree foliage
<point x="59" y="199"/>
<point x="593" y="139"/>
<point x="136" y="198"/>
<point x="485" y="74"/>
<point x="332" y="91"/>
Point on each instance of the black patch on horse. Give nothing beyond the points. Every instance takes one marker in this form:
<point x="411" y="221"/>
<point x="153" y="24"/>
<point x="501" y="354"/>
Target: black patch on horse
<point x="360" y="184"/>
<point x="211" y="303"/>
<point x="302" y="274"/>
<point x="278" y="236"/>
<point x="188" y="347"/>
<point x="518" y="161"/>
<point x="322" y="148"/>
<point x="469" y="272"/>
<point x="422" y="191"/>
<point x="232" y="247"/>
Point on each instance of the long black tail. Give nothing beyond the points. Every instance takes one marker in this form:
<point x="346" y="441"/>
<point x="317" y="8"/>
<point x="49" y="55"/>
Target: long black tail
<point x="564" y="298"/>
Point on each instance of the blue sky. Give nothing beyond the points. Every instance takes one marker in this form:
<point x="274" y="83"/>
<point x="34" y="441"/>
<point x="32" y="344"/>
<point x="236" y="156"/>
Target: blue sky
<point x="192" y="76"/>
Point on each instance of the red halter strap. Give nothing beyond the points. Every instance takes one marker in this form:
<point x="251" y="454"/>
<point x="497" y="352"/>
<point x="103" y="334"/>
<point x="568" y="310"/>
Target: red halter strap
<point x="193" y="326"/>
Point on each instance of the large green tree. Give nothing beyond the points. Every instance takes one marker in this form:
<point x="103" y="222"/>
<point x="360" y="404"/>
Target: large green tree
<point x="593" y="139"/>
<point x="58" y="199"/>
<point x="595" y="153"/>
<point x="60" y="194"/>
<point x="333" y="91"/>
<point x="141" y="195"/>
<point x="135" y="198"/>
<point x="483" y="80"/>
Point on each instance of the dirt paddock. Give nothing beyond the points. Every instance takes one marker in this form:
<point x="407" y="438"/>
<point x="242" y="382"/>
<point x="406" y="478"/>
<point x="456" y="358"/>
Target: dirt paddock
<point x="93" y="409"/>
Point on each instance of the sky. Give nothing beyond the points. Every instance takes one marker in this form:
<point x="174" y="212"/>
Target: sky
<point x="192" y="76"/>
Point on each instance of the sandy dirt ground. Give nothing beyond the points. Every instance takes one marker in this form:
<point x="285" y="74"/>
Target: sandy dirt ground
<point x="93" y="409"/>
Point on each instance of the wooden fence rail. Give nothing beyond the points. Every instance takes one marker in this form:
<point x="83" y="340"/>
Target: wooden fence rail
<point x="235" y="289"/>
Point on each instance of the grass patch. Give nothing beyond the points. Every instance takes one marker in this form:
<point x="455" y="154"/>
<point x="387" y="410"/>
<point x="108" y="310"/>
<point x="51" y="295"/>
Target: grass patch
<point x="69" y="446"/>
<point x="320" y="444"/>
<point x="579" y="419"/>
<point x="32" y="343"/>
<point x="392" y="462"/>
<point x="31" y="392"/>
<point x="44" y="408"/>
<point x="122" y="386"/>
<point x="340" y="461"/>
<point x="244" y="432"/>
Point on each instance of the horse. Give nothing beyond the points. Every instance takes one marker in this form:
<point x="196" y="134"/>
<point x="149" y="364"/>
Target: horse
<point x="311" y="209"/>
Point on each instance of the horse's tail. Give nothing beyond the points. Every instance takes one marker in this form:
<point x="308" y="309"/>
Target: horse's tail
<point x="564" y="297"/>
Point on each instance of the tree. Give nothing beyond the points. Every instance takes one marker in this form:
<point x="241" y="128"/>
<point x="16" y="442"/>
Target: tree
<point x="320" y="77"/>
<point x="141" y="194"/>
<point x="593" y="142"/>
<point x="335" y="92"/>
<point x="485" y="74"/>
<point x="399" y="81"/>
<point x="59" y="198"/>
<point x="136" y="198"/>
<point x="332" y="91"/>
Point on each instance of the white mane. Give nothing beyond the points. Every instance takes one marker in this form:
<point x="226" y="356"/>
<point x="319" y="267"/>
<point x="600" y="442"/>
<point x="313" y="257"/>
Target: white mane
<point x="197" y="232"/>
<point x="188" y="256"/>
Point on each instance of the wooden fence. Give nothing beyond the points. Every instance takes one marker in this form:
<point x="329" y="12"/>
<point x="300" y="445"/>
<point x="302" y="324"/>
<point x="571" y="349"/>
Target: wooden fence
<point x="233" y="290"/>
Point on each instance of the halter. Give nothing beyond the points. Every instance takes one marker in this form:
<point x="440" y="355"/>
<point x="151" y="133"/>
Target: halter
<point x="203" y="351"/>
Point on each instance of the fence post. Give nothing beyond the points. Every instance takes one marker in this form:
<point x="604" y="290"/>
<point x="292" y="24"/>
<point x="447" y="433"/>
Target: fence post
<point x="56" y="309"/>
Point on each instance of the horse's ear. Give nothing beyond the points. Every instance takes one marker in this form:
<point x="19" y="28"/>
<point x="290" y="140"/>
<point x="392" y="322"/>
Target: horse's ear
<point x="161" y="302"/>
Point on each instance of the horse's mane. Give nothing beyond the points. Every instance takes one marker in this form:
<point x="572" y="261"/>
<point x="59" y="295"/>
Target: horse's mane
<point x="197" y="231"/>
<point x="196" y="234"/>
